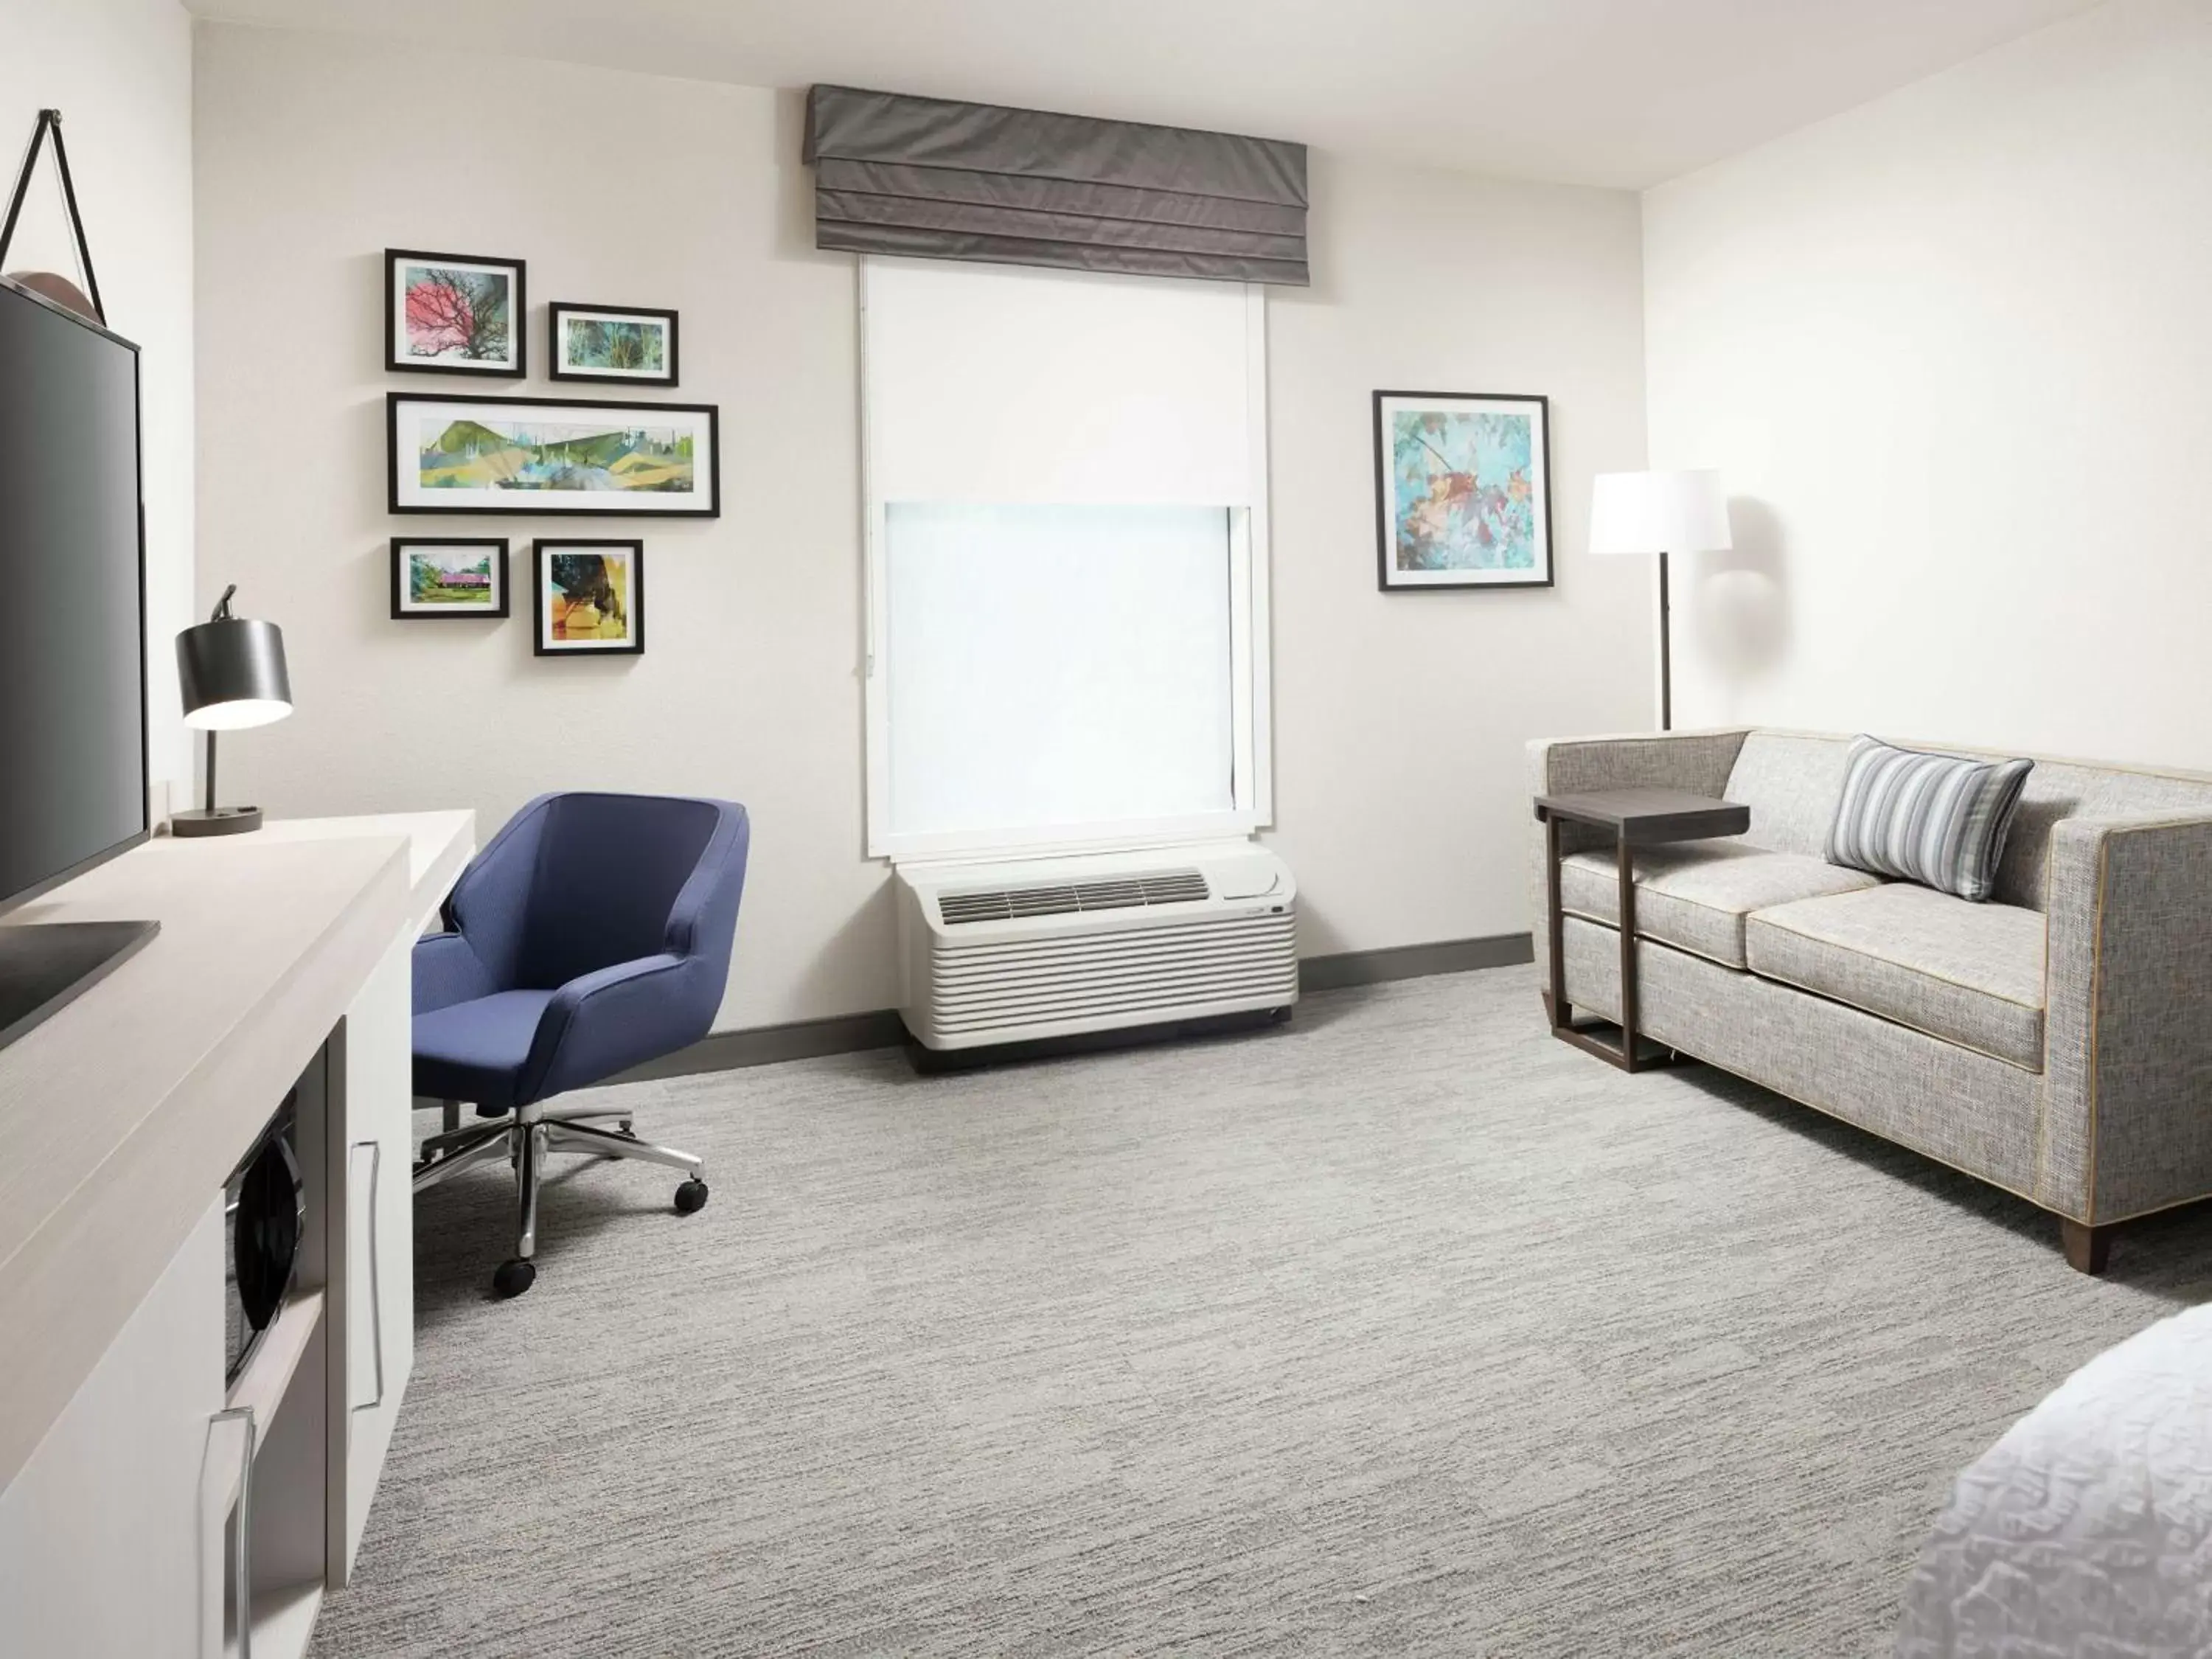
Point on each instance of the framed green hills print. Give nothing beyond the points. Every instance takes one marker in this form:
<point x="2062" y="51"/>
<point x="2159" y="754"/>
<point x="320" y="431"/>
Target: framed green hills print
<point x="543" y="455"/>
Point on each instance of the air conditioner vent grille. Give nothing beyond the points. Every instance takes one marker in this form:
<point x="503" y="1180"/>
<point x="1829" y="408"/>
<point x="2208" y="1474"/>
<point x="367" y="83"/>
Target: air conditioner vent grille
<point x="1061" y="899"/>
<point x="1000" y="987"/>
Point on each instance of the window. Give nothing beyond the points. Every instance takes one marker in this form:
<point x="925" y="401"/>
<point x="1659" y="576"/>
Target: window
<point x="1066" y="501"/>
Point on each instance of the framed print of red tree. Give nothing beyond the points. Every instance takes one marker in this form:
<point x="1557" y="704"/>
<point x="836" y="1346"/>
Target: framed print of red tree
<point x="454" y="314"/>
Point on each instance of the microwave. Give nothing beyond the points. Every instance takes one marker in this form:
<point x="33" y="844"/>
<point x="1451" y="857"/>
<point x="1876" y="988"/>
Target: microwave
<point x="264" y="1205"/>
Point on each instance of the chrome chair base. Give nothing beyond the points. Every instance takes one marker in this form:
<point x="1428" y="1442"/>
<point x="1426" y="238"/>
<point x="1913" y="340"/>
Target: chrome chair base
<point x="525" y="1138"/>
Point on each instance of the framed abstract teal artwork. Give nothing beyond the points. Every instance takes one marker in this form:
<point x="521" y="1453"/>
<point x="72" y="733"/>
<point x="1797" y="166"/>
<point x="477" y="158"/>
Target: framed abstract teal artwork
<point x="1462" y="490"/>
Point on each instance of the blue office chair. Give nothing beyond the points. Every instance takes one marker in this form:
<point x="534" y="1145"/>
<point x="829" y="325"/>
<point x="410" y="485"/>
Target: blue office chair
<point x="593" y="933"/>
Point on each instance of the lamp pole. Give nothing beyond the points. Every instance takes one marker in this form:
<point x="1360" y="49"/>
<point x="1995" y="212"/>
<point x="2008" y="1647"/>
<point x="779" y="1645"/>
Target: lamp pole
<point x="1661" y="513"/>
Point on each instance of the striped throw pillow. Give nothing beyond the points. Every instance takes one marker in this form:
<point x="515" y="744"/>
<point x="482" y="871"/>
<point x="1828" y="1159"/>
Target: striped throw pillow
<point x="1939" y="820"/>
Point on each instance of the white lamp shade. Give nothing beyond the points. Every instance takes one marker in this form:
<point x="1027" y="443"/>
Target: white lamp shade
<point x="1658" y="513"/>
<point x="238" y="715"/>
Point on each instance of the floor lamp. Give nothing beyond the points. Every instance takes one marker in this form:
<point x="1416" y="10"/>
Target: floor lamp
<point x="1659" y="512"/>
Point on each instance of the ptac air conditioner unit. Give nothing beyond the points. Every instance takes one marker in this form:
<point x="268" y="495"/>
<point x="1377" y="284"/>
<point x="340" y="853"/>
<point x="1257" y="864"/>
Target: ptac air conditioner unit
<point x="1014" y="952"/>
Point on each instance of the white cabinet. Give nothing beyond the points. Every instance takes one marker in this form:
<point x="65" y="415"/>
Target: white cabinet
<point x="120" y="1532"/>
<point x="106" y="1546"/>
<point x="378" y="1297"/>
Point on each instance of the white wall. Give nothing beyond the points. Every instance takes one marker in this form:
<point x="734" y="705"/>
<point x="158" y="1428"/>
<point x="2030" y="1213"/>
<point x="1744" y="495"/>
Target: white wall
<point x="1398" y="719"/>
<point x="313" y="154"/>
<point x="1951" y="352"/>
<point x="120" y="73"/>
<point x="1400" y="790"/>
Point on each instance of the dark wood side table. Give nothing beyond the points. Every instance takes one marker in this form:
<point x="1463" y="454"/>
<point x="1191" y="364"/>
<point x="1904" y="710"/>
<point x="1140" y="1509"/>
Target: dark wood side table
<point x="1636" y="817"/>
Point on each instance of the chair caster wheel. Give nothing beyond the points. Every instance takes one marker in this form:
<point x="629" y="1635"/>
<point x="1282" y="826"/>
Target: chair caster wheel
<point x="514" y="1277"/>
<point x="690" y="1196"/>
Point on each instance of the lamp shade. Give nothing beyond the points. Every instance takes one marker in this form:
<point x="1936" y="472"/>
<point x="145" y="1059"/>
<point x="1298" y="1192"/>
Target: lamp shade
<point x="1658" y="513"/>
<point x="232" y="673"/>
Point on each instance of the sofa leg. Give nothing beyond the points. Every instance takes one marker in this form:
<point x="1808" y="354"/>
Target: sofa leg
<point x="2087" y="1249"/>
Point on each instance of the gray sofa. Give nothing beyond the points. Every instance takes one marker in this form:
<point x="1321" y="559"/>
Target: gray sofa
<point x="2056" y="1041"/>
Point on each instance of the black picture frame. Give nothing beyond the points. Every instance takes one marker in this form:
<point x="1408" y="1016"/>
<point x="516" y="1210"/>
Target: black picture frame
<point x="548" y="503"/>
<point x="541" y="556"/>
<point x="1385" y="504"/>
<point x="556" y="358"/>
<point x="395" y="361"/>
<point x="402" y="546"/>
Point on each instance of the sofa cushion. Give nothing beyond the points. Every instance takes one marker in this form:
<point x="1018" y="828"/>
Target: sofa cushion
<point x="1694" y="895"/>
<point x="1970" y="974"/>
<point x="1792" y="781"/>
<point x="1936" y="819"/>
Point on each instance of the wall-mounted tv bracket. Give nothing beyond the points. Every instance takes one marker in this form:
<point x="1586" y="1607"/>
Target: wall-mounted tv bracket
<point x="49" y="120"/>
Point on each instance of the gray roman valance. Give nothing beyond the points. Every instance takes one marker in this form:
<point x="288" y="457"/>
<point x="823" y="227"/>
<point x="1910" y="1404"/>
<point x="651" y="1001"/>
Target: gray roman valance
<point x="935" y="179"/>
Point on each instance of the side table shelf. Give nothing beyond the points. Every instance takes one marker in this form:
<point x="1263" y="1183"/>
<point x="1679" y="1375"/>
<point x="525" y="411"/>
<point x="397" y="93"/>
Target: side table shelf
<point x="1634" y="818"/>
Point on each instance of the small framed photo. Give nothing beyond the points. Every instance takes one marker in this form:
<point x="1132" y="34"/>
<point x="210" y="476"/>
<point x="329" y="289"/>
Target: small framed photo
<point x="615" y="345"/>
<point x="591" y="598"/>
<point x="453" y="576"/>
<point x="454" y="314"/>
<point x="1462" y="490"/>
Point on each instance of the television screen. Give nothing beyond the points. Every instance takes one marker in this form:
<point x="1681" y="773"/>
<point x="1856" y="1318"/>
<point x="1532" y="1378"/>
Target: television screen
<point x="73" y="652"/>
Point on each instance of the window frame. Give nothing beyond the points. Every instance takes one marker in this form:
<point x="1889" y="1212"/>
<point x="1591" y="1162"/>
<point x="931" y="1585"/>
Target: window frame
<point x="1251" y="780"/>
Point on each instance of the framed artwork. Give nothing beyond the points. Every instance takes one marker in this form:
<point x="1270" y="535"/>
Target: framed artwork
<point x="448" y="576"/>
<point x="454" y="314"/>
<point x="590" y="598"/>
<point x="1462" y="490"/>
<point x="616" y="344"/>
<point x="541" y="455"/>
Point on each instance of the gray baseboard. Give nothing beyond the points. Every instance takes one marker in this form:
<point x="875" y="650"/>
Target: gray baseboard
<point x="1449" y="956"/>
<point x="764" y="1045"/>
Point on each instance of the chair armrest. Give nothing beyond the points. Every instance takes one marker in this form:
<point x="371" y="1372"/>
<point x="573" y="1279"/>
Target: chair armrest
<point x="447" y="970"/>
<point x="1699" y="762"/>
<point x="2126" y="1118"/>
<point x="615" y="1018"/>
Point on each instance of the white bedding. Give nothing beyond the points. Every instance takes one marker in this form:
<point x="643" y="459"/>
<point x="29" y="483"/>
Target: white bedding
<point x="2087" y="1530"/>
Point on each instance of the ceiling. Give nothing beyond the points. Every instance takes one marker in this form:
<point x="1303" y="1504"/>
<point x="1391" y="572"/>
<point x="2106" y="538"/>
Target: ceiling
<point x="1622" y="93"/>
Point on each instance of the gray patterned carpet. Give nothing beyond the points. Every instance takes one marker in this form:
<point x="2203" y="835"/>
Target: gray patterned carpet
<point x="1407" y="1330"/>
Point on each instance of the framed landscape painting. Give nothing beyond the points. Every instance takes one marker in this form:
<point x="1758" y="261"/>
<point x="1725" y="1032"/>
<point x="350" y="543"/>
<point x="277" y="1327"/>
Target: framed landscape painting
<point x="613" y="344"/>
<point x="1462" y="490"/>
<point x="448" y="576"/>
<point x="541" y="455"/>
<point x="454" y="314"/>
<point x="590" y="598"/>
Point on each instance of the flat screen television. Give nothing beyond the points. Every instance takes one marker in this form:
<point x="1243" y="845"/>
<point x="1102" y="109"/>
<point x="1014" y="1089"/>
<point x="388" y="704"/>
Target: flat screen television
<point x="73" y="725"/>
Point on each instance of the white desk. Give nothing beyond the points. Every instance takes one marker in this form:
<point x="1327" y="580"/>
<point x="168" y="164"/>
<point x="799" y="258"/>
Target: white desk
<point x="282" y="956"/>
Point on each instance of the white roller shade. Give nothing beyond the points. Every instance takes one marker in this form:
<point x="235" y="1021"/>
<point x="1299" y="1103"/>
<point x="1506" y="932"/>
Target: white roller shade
<point x="1057" y="665"/>
<point x="986" y="383"/>
<point x="1067" y="488"/>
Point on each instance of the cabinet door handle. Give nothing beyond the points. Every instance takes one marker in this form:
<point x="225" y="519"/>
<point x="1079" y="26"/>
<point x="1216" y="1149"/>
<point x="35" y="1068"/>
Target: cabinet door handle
<point x="241" y="1531"/>
<point x="375" y="1270"/>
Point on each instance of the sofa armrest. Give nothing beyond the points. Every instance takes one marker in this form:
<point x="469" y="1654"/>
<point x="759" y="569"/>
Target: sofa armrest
<point x="2126" y="1120"/>
<point x="1699" y="762"/>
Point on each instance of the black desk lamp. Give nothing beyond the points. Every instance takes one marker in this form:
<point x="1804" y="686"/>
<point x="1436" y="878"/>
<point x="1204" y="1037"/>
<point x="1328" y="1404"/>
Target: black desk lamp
<point x="232" y="673"/>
